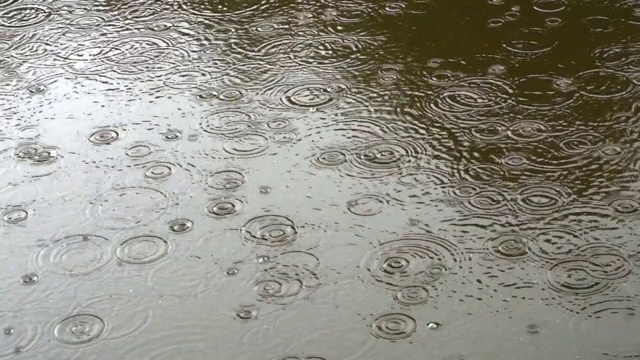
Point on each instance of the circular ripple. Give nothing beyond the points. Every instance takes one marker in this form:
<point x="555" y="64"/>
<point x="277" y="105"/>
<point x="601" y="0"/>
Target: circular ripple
<point x="549" y="6"/>
<point x="544" y="91"/>
<point x="142" y="249"/>
<point x="310" y="96"/>
<point x="487" y="201"/>
<point x="331" y="158"/>
<point x="625" y="206"/>
<point x="226" y="180"/>
<point x="129" y="207"/>
<point x="529" y="130"/>
<point x="581" y="143"/>
<point x="331" y="52"/>
<point x="393" y="326"/>
<point x="283" y="284"/>
<point x="602" y="83"/>
<point x="575" y="277"/>
<point x="26" y="15"/>
<point x="472" y="95"/>
<point x="622" y="58"/>
<point x="269" y="230"/>
<point x="541" y="199"/>
<point x="367" y="205"/>
<point x="482" y="173"/>
<point x="224" y="207"/>
<point x="489" y="130"/>
<point x="619" y="313"/>
<point x="76" y="255"/>
<point x="38" y="160"/>
<point x="15" y="216"/>
<point x="554" y="244"/>
<point x="386" y="157"/>
<point x="227" y="122"/>
<point x="79" y="329"/>
<point x="159" y="170"/>
<point x="104" y="136"/>
<point x="509" y="246"/>
<point x="529" y="42"/>
<point x="180" y="225"/>
<point x="247" y="145"/>
<point x="412" y="295"/>
<point x="412" y="260"/>
<point x="611" y="263"/>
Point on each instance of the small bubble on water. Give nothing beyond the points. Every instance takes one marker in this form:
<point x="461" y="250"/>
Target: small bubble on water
<point x="533" y="329"/>
<point x="172" y="135"/>
<point x="433" y="325"/>
<point x="36" y="89"/>
<point x="9" y="331"/>
<point x="232" y="271"/>
<point x="18" y="349"/>
<point x="246" y="313"/>
<point x="180" y="225"/>
<point x="29" y="279"/>
<point x="263" y="259"/>
<point x="265" y="189"/>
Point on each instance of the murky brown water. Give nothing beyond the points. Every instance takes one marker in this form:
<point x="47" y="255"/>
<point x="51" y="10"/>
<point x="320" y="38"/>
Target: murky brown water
<point x="320" y="180"/>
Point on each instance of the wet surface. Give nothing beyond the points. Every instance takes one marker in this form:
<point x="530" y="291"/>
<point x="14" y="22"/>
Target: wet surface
<point x="320" y="180"/>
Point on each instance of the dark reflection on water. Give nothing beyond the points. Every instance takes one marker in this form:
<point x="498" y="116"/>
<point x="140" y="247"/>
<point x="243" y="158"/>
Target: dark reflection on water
<point x="320" y="180"/>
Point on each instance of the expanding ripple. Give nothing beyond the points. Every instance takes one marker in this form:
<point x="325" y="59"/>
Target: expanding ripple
<point x="129" y="207"/>
<point x="75" y="255"/>
<point x="411" y="260"/>
<point x="393" y="326"/>
<point x="142" y="249"/>
<point x="269" y="230"/>
<point x="542" y="198"/>
<point x="602" y="83"/>
<point x="283" y="284"/>
<point x="367" y="204"/>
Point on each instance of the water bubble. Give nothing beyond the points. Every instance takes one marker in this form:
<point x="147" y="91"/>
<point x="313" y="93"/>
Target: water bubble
<point x="15" y="216"/>
<point x="263" y="259"/>
<point x="143" y="249"/>
<point x="393" y="326"/>
<point x="553" y="21"/>
<point x="9" y="331"/>
<point x="265" y="189"/>
<point x="224" y="207"/>
<point x="270" y="230"/>
<point x="180" y="225"/>
<point x="79" y="329"/>
<point x="247" y="312"/>
<point x="367" y="204"/>
<point x="172" y="135"/>
<point x="226" y="180"/>
<point x="232" y="271"/>
<point x="36" y="89"/>
<point x="492" y="23"/>
<point x="29" y="279"/>
<point x="433" y="325"/>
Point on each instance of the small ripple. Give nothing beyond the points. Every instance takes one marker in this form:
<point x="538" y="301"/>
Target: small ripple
<point x="25" y="15"/>
<point x="144" y="249"/>
<point x="619" y="58"/>
<point x="226" y="179"/>
<point x="128" y="207"/>
<point x="544" y="91"/>
<point x="529" y="42"/>
<point x="575" y="277"/>
<point x="482" y="173"/>
<point x="413" y="260"/>
<point x="487" y="201"/>
<point x="609" y="260"/>
<point x="619" y="313"/>
<point x="542" y="198"/>
<point x="222" y="208"/>
<point x="509" y="246"/>
<point x="247" y="145"/>
<point x="312" y="96"/>
<point x="269" y="230"/>
<point x="549" y="6"/>
<point x="283" y="284"/>
<point x="393" y="326"/>
<point x="471" y="95"/>
<point x="75" y="255"/>
<point x="79" y="329"/>
<point x="555" y="244"/>
<point x="602" y="84"/>
<point x="489" y="130"/>
<point x="380" y="158"/>
<point x="104" y="136"/>
<point x="414" y="295"/>
<point x="37" y="160"/>
<point x="367" y="204"/>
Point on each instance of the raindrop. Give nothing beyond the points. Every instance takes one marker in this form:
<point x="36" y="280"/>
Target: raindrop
<point x="29" y="279"/>
<point x="180" y="225"/>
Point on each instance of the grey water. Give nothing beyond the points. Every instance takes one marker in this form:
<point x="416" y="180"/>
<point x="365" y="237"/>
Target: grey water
<point x="320" y="180"/>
